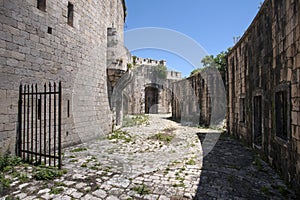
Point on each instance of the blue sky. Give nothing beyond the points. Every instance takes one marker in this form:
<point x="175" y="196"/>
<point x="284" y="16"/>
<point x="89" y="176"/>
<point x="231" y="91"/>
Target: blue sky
<point x="210" y="23"/>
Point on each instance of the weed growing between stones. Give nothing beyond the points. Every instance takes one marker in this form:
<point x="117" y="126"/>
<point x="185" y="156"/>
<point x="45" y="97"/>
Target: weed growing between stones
<point x="13" y="169"/>
<point x="84" y="165"/>
<point x="4" y="183"/>
<point x="163" y="137"/>
<point x="141" y="190"/>
<point x="47" y="173"/>
<point x="136" y="120"/>
<point x="56" y="190"/>
<point x="120" y="135"/>
<point x="7" y="164"/>
<point x="94" y="168"/>
<point x="60" y="184"/>
<point x="191" y="162"/>
<point x="179" y="185"/>
<point x="23" y="177"/>
<point x="8" y="161"/>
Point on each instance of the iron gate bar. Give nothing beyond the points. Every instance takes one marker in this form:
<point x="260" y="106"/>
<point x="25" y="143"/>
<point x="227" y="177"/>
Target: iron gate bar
<point x="36" y="120"/>
<point x="54" y="123"/>
<point x="59" y="124"/>
<point x="31" y="120"/>
<point x="50" y="123"/>
<point x="27" y="122"/>
<point x="30" y="131"/>
<point x="20" y="121"/>
<point x="45" y="121"/>
<point x="40" y="114"/>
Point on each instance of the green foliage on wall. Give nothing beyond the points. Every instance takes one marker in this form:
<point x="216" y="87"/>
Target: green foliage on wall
<point x="218" y="61"/>
<point x="161" y="71"/>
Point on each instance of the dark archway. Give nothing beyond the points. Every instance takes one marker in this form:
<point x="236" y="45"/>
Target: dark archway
<point x="151" y="100"/>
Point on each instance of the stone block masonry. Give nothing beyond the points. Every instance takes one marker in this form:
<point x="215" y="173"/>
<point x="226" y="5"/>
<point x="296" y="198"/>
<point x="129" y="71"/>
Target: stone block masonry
<point x="200" y="99"/>
<point x="148" y="92"/>
<point x="64" y="41"/>
<point x="263" y="87"/>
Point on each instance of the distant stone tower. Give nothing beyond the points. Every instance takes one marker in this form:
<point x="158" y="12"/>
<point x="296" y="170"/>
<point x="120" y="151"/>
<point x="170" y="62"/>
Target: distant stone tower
<point x="118" y="75"/>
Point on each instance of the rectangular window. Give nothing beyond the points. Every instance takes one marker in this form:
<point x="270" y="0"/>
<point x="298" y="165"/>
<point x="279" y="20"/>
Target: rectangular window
<point x="242" y="110"/>
<point x="70" y="13"/>
<point x="41" y="5"/>
<point x="281" y="114"/>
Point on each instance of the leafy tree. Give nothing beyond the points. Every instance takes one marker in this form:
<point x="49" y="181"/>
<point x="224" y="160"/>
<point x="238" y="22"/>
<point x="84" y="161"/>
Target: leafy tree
<point x="208" y="61"/>
<point x="218" y="61"/>
<point x="161" y="71"/>
<point x="221" y="63"/>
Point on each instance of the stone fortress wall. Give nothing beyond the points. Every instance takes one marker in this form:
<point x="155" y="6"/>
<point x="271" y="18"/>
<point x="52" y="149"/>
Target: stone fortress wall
<point x="263" y="82"/>
<point x="147" y="92"/>
<point x="65" y="41"/>
<point x="200" y="99"/>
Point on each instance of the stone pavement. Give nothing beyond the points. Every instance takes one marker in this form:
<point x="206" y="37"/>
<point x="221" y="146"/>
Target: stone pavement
<point x="161" y="160"/>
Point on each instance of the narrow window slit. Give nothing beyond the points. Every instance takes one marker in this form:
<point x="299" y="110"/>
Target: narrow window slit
<point x="70" y="13"/>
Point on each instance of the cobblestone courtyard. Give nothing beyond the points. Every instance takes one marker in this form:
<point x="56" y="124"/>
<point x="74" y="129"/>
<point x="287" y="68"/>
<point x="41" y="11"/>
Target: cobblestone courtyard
<point x="160" y="160"/>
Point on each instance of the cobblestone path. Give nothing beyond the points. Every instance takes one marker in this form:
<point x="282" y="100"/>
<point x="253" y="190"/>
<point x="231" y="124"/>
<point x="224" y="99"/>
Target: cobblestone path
<point x="160" y="160"/>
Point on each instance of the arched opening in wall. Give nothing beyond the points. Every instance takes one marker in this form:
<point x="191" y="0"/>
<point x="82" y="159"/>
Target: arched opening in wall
<point x="257" y="121"/>
<point x="151" y="99"/>
<point x="176" y="108"/>
<point x="125" y="104"/>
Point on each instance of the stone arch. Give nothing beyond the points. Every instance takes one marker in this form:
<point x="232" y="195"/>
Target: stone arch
<point x="152" y="92"/>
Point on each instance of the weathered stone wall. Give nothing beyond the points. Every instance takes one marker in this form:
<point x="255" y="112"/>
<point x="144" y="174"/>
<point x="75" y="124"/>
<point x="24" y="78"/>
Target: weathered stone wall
<point x="40" y="46"/>
<point x="263" y="84"/>
<point x="145" y="78"/>
<point x="199" y="99"/>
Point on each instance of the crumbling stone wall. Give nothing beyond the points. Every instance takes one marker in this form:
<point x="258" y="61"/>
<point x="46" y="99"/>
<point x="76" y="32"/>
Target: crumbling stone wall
<point x="263" y="82"/>
<point x="42" y="45"/>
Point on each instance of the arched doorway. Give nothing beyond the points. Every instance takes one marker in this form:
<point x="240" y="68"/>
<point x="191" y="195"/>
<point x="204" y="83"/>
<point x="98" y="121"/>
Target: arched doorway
<point x="151" y="100"/>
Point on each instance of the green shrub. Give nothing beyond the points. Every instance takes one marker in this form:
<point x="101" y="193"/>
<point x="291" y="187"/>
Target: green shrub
<point x="7" y="160"/>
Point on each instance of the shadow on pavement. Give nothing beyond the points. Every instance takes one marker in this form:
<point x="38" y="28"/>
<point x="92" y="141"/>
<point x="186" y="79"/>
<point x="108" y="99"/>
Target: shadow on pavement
<point x="232" y="171"/>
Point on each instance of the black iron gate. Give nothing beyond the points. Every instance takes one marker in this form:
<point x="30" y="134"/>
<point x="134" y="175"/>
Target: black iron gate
<point x="39" y="124"/>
